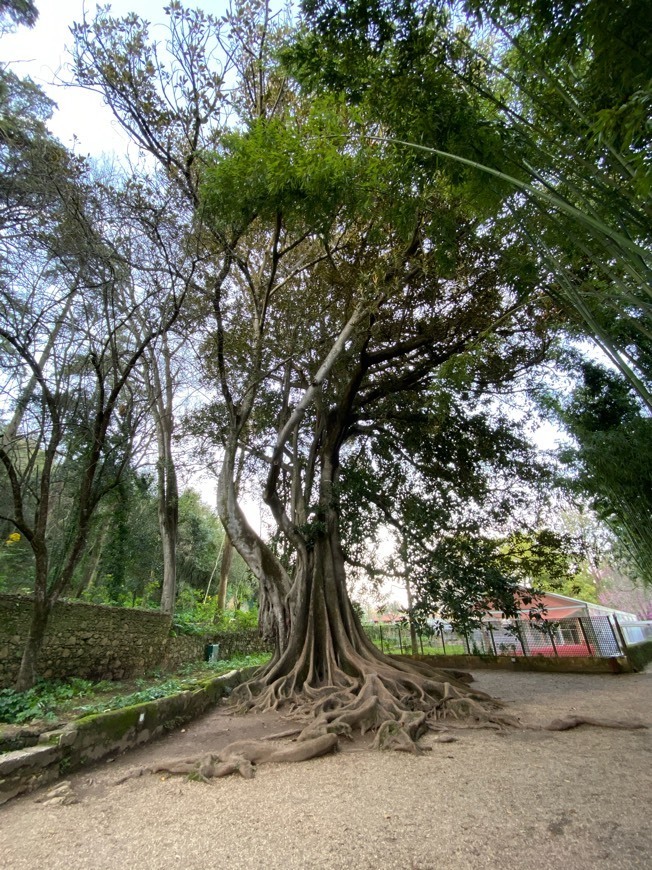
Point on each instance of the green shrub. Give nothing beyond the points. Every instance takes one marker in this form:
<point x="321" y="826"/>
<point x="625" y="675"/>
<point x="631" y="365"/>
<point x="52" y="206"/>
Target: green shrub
<point x="41" y="701"/>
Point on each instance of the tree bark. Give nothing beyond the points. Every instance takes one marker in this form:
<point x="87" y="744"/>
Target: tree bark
<point x="40" y="614"/>
<point x="168" y="515"/>
<point x="225" y="568"/>
<point x="28" y="664"/>
<point x="273" y="579"/>
<point x="92" y="562"/>
<point x="160" y="388"/>
<point x="414" y="641"/>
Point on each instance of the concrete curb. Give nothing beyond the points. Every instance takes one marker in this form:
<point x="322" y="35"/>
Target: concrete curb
<point x="94" y="737"/>
<point x="542" y="664"/>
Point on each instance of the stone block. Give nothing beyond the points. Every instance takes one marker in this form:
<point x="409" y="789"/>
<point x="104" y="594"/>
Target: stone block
<point x="31" y="757"/>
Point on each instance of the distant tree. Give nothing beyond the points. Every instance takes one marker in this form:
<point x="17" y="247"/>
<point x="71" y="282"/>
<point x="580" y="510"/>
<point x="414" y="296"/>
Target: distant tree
<point x="17" y="12"/>
<point x="611" y="463"/>
<point x="67" y="289"/>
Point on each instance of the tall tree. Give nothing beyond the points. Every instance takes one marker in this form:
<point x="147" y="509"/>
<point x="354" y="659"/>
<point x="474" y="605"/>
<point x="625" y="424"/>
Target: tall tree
<point x="343" y="280"/>
<point x="611" y="461"/>
<point x="68" y="289"/>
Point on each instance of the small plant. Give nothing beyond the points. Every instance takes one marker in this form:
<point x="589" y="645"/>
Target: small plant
<point x="40" y="702"/>
<point x="52" y="699"/>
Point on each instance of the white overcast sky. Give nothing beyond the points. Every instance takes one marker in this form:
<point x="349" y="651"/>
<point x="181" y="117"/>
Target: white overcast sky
<point x="40" y="53"/>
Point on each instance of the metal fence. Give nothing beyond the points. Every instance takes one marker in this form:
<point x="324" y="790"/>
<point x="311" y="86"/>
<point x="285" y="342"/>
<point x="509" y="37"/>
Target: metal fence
<point x="600" y="636"/>
<point x="396" y="639"/>
<point x="575" y="636"/>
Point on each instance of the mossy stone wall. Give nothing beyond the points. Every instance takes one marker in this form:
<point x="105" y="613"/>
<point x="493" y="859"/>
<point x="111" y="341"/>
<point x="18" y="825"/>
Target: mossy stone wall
<point x="106" y="734"/>
<point x="84" y="640"/>
<point x="181" y="649"/>
<point x="242" y="642"/>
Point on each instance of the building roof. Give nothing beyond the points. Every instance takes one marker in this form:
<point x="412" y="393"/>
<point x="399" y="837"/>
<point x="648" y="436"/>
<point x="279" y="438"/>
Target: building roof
<point x="563" y="606"/>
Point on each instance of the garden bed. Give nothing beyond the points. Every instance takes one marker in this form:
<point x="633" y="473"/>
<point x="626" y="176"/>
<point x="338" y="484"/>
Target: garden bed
<point x="110" y="732"/>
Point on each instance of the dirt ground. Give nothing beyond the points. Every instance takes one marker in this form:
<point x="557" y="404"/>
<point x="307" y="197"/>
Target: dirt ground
<point x="515" y="800"/>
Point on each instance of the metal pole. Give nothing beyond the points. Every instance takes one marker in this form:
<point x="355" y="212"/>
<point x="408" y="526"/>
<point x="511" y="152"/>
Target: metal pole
<point x="621" y="634"/>
<point x="520" y="637"/>
<point x="380" y="629"/>
<point x="421" y="641"/>
<point x="441" y="632"/>
<point x="400" y="640"/>
<point x="552" y="640"/>
<point x="493" y="640"/>
<point x="585" y="635"/>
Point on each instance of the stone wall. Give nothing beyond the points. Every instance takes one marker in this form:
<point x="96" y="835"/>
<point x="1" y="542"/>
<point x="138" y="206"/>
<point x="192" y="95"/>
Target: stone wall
<point x="243" y="642"/>
<point x="112" y="643"/>
<point x="181" y="649"/>
<point x="84" y="640"/>
<point x="191" y="647"/>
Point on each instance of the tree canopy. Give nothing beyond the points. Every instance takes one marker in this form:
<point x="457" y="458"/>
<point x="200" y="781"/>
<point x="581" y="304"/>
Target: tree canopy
<point x="361" y="227"/>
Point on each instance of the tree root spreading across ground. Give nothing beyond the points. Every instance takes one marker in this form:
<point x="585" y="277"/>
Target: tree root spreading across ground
<point x="399" y="706"/>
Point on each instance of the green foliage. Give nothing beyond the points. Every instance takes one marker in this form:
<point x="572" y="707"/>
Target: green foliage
<point x="151" y="693"/>
<point x="42" y="701"/>
<point x="200" y="542"/>
<point x="16" y="565"/>
<point x="612" y="462"/>
<point x="50" y="700"/>
<point x="565" y="94"/>
<point x="296" y="168"/>
<point x="467" y="575"/>
<point x="204" y="618"/>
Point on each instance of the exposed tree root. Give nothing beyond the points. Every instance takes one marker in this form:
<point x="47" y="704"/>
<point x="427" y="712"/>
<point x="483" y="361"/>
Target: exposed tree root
<point x="399" y="703"/>
<point x="575" y="721"/>
<point x="239" y="757"/>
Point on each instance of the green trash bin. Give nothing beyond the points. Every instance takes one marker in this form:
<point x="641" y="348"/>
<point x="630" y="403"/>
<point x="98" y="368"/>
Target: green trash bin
<point x="212" y="652"/>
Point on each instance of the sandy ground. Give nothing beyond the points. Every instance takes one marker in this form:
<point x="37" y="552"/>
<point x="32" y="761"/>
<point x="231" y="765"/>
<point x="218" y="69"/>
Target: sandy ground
<point x="521" y="800"/>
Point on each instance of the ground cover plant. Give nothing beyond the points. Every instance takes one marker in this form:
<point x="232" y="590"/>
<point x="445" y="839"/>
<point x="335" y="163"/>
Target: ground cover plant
<point x="63" y="700"/>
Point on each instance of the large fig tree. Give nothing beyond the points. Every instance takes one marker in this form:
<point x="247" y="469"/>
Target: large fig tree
<point x="343" y="282"/>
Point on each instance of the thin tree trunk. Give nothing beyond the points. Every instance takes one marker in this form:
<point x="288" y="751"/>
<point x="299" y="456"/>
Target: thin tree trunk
<point x="161" y="396"/>
<point x="414" y="641"/>
<point x="225" y="568"/>
<point x="96" y="549"/>
<point x="274" y="581"/>
<point x="28" y="665"/>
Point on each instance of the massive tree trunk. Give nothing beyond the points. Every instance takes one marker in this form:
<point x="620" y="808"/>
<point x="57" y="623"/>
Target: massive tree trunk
<point x="332" y="672"/>
<point x="326" y="667"/>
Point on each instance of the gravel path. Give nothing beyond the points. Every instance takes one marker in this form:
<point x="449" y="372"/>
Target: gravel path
<point x="521" y="800"/>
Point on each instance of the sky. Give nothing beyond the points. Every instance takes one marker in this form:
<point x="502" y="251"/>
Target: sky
<point x="40" y="53"/>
